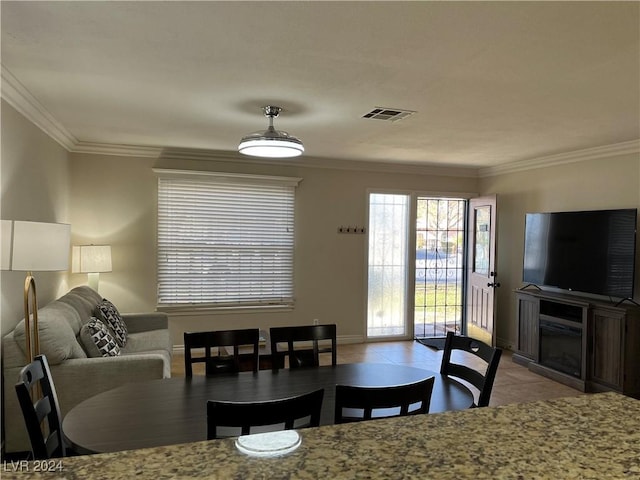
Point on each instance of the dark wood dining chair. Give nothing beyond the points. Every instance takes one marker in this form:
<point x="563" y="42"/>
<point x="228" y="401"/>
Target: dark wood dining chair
<point x="39" y="412"/>
<point x="226" y="363"/>
<point x="303" y="356"/>
<point x="481" y="377"/>
<point x="354" y="403"/>
<point x="245" y="415"/>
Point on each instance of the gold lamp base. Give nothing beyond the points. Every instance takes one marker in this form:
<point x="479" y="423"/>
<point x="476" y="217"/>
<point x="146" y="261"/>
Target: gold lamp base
<point x="31" y="311"/>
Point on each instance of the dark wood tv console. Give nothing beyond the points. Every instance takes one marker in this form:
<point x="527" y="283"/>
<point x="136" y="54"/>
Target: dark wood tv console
<point x="602" y="341"/>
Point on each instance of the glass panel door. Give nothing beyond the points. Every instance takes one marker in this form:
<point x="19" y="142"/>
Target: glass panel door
<point x="440" y="237"/>
<point x="387" y="265"/>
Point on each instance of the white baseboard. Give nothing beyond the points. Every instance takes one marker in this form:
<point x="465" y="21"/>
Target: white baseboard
<point x="345" y="339"/>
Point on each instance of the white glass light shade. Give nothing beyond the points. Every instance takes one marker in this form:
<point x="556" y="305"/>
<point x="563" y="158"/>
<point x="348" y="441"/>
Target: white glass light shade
<point x="270" y="148"/>
<point x="91" y="259"/>
<point x="37" y="246"/>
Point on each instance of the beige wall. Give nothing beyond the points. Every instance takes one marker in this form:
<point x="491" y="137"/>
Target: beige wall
<point x="587" y="185"/>
<point x="114" y="201"/>
<point x="34" y="173"/>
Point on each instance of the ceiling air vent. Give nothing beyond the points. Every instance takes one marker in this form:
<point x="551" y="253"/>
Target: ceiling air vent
<point x="389" y="114"/>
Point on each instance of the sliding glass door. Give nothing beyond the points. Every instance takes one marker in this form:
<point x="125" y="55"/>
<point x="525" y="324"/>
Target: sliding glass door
<point x="416" y="265"/>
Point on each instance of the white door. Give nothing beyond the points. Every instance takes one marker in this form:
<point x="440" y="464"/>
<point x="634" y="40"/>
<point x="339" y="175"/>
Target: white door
<point x="482" y="277"/>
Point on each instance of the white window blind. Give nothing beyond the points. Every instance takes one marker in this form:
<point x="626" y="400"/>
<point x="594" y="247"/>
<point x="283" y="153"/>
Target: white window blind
<point x="225" y="240"/>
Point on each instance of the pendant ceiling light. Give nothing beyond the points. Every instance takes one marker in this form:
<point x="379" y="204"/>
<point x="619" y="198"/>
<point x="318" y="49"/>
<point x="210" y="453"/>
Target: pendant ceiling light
<point x="271" y="143"/>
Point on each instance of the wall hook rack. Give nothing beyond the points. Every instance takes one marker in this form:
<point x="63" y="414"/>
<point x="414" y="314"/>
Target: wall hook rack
<point x="350" y="229"/>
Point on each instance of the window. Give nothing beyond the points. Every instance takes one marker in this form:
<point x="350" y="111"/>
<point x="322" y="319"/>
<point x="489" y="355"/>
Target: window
<point x="225" y="240"/>
<point x="387" y="265"/>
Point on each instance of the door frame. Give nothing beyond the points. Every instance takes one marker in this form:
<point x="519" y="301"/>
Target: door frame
<point x="410" y="281"/>
<point x="463" y="248"/>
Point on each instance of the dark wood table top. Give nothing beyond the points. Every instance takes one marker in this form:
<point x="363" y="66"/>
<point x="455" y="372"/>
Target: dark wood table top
<point x="173" y="411"/>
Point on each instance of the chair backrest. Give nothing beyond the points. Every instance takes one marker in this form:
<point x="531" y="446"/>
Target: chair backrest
<point x="305" y="333"/>
<point x="40" y="412"/>
<point x="355" y="403"/>
<point x="215" y="364"/>
<point x="481" y="377"/>
<point x="245" y="415"/>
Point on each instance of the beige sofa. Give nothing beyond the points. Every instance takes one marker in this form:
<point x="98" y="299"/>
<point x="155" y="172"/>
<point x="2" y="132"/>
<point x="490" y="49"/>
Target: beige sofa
<point x="77" y="376"/>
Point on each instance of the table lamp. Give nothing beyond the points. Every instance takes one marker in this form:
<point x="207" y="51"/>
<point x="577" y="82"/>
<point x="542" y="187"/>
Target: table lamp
<point x="92" y="260"/>
<point x="34" y="247"/>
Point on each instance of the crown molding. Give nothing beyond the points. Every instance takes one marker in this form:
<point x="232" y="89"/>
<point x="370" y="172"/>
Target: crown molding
<point x="624" y="148"/>
<point x="390" y="167"/>
<point x="21" y="99"/>
<point x="317" y="162"/>
<point x="115" y="149"/>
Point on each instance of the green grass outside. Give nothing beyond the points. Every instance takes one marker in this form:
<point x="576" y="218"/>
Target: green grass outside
<point x="436" y="307"/>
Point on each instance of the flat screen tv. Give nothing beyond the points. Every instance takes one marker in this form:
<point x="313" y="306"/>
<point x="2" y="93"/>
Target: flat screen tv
<point x="590" y="251"/>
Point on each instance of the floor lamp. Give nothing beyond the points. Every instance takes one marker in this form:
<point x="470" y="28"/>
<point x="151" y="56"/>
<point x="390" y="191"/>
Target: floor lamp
<point x="34" y="247"/>
<point x="92" y="260"/>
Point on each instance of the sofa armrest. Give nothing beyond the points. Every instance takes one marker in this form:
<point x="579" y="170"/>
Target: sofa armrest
<point x="80" y="378"/>
<point x="142" y="322"/>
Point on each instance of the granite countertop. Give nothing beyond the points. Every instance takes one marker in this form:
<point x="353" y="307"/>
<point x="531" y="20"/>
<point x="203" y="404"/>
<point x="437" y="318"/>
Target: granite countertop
<point x="586" y="437"/>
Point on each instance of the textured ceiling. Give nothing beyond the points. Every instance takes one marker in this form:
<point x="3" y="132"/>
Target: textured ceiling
<point x="491" y="82"/>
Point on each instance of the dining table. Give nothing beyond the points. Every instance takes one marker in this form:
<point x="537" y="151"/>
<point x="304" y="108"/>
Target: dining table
<point x="587" y="437"/>
<point x="173" y="411"/>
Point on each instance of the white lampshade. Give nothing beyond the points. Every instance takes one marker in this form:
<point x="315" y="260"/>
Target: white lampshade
<point x="91" y="259"/>
<point x="35" y="246"/>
